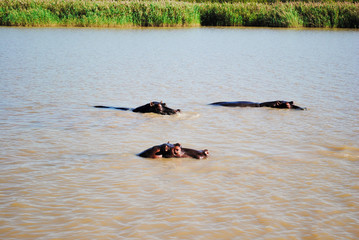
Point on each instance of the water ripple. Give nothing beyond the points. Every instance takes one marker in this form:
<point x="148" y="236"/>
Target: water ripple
<point x="69" y="170"/>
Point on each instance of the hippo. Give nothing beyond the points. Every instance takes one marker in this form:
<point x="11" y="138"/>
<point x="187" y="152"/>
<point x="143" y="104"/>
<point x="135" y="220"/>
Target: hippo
<point x="177" y="151"/>
<point x="273" y="104"/>
<point x="168" y="150"/>
<point x="152" y="107"/>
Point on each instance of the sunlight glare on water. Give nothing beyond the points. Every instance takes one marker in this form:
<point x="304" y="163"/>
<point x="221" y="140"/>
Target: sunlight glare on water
<point x="70" y="171"/>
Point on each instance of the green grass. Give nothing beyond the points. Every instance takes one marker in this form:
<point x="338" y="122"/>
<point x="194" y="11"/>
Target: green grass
<point x="91" y="13"/>
<point x="330" y="15"/>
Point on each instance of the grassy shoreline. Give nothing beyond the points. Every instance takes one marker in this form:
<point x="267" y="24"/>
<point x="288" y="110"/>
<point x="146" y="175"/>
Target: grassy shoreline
<point x="87" y="13"/>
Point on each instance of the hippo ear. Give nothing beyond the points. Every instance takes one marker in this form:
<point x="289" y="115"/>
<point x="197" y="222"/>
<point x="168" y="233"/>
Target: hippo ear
<point x="151" y="104"/>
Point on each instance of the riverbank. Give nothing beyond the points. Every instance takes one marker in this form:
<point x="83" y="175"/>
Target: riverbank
<point x="82" y="13"/>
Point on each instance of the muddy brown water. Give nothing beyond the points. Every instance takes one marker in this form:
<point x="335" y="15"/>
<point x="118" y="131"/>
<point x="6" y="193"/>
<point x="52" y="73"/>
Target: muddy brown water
<point x="70" y="171"/>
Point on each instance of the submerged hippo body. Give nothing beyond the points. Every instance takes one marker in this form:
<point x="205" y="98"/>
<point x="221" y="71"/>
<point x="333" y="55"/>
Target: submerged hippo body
<point x="168" y="150"/>
<point x="152" y="107"/>
<point x="273" y="104"/>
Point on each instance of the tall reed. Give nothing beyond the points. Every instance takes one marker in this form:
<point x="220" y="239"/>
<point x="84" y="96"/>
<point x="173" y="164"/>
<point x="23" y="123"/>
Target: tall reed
<point x="97" y="13"/>
<point x="107" y="13"/>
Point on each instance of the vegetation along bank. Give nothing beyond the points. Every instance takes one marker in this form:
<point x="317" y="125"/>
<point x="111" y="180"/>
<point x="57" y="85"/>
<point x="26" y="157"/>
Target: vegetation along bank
<point x="107" y="13"/>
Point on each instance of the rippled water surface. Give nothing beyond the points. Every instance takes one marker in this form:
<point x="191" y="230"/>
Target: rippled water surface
<point x="70" y="171"/>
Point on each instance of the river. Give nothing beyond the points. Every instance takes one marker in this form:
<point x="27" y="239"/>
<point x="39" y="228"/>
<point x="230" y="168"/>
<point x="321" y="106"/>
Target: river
<point x="70" y="171"/>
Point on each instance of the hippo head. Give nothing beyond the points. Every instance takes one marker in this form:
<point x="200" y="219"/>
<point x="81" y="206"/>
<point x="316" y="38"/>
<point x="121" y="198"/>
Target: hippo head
<point x="161" y="108"/>
<point x="169" y="150"/>
<point x="285" y="104"/>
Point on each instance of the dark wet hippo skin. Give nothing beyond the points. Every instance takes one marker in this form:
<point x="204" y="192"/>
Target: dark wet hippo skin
<point x="171" y="150"/>
<point x="153" y="152"/>
<point x="152" y="107"/>
<point x="168" y="150"/>
<point x="192" y="153"/>
<point x="273" y="104"/>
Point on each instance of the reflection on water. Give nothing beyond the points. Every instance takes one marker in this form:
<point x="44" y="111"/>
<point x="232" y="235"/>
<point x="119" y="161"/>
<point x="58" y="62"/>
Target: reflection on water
<point x="71" y="171"/>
